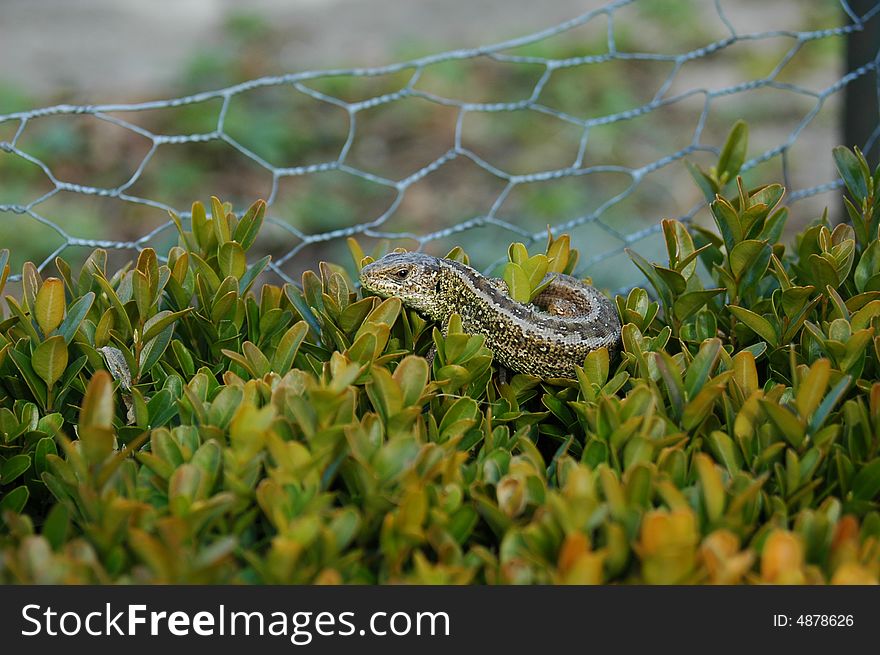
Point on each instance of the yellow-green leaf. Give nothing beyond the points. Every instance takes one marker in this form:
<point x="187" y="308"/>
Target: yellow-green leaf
<point x="712" y="486"/>
<point x="412" y="376"/>
<point x="287" y="348"/>
<point x="517" y="253"/>
<point x="517" y="282"/>
<point x="96" y="418"/>
<point x="49" y="305"/>
<point x="558" y="253"/>
<point x="744" y="372"/>
<point x="50" y="359"/>
<point x="140" y="286"/>
<point x="220" y="224"/>
<point x="247" y="229"/>
<point x="232" y="260"/>
<point x="790" y="426"/>
<point x="536" y="268"/>
<point x="812" y="387"/>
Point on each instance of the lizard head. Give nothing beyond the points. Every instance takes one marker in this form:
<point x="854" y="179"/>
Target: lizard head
<point x="411" y="276"/>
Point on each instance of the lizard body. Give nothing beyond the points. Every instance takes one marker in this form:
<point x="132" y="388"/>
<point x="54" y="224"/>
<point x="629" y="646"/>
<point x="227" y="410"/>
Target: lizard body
<point x="547" y="337"/>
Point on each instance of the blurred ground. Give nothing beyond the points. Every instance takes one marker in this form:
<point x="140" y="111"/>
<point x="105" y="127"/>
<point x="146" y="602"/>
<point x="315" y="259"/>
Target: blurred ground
<point x="103" y="50"/>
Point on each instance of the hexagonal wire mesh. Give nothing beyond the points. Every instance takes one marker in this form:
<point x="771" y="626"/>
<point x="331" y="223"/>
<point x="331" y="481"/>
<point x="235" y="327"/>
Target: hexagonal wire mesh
<point x="619" y="161"/>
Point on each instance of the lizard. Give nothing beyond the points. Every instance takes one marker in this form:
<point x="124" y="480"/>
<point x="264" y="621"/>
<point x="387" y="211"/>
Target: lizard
<point x="546" y="338"/>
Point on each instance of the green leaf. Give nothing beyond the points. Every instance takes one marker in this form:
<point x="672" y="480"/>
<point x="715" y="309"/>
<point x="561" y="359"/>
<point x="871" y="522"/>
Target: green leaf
<point x="154" y="349"/>
<point x="160" y="321"/>
<point x="288" y="346"/>
<point x="142" y="293"/>
<point x="679" y="247"/>
<point x="790" y="426"/>
<point x="97" y="408"/>
<point x="866" y="484"/>
<point x="30" y="283"/>
<point x="768" y="195"/>
<point x="72" y="371"/>
<point x="45" y="447"/>
<point x="50" y="359"/>
<point x="207" y="459"/>
<point x="231" y="260"/>
<point x="249" y="226"/>
<point x="4" y="267"/>
<point x="773" y="226"/>
<point x="49" y="305"/>
<point x="797" y="322"/>
<point x="412" y="376"/>
<point x="224" y="307"/>
<point x="517" y="282"/>
<point x="240" y="360"/>
<point x="812" y="387"/>
<point x="706" y="184"/>
<point x="558" y="252"/>
<point x="596" y="366"/>
<point x="851" y="171"/>
<point x="647" y="268"/>
<point x="75" y="315"/>
<point x="727" y="221"/>
<point x="536" y="269"/>
<point x="712" y="486"/>
<point x="725" y="451"/>
<point x="517" y="253"/>
<point x="834" y="396"/>
<point x="689" y="303"/>
<point x="744" y="372"/>
<point x="57" y="526"/>
<point x="161" y="408"/>
<point x="122" y="316"/>
<point x="822" y="272"/>
<point x="758" y="324"/>
<point x="258" y="361"/>
<point x="733" y="154"/>
<point x="183" y="488"/>
<point x="749" y="259"/>
<point x="33" y="381"/>
<point x="13" y="468"/>
<point x="868" y="266"/>
<point x="219" y="222"/>
<point x="250" y="276"/>
<point x="202" y="230"/>
<point x="208" y="274"/>
<point x="838" y="303"/>
<point x="673" y="279"/>
<point x="458" y="418"/>
<point x="702" y="366"/>
<point x="15" y="500"/>
<point x="671" y="375"/>
<point x="863" y="317"/>
<point x="23" y="320"/>
<point x="148" y="264"/>
<point x="298" y="300"/>
<point x="794" y="299"/>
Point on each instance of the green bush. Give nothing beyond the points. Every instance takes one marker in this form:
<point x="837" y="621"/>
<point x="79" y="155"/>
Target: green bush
<point x="170" y="423"/>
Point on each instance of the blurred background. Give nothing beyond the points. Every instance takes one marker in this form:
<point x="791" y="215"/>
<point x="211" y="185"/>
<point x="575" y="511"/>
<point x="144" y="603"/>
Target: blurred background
<point x="588" y="120"/>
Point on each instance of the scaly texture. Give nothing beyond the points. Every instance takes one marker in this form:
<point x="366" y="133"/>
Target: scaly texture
<point x="546" y="338"/>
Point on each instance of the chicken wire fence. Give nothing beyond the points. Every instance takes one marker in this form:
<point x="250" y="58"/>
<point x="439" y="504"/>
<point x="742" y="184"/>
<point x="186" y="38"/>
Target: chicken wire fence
<point x="619" y="193"/>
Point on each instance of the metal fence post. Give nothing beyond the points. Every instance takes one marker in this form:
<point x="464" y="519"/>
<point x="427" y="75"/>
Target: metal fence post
<point x="861" y="114"/>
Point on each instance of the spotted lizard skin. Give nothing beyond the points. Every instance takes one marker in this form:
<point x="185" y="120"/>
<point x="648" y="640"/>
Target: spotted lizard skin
<point x="546" y="338"/>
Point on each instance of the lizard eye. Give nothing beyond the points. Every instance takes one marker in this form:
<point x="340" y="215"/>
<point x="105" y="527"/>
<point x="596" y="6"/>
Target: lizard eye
<point x="401" y="273"/>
